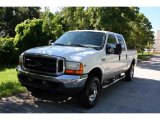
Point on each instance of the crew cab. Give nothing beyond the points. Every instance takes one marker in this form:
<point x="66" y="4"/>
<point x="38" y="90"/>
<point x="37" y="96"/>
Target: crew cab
<point x="81" y="62"/>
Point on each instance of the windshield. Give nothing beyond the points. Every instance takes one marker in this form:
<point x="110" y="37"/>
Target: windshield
<point x="82" y="39"/>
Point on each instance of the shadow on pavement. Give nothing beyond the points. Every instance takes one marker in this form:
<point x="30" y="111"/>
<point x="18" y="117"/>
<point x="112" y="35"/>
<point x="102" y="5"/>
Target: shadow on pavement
<point x="153" y="63"/>
<point x="139" y="96"/>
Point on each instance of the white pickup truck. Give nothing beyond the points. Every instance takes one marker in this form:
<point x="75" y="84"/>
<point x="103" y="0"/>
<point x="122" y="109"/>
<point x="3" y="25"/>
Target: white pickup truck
<point x="80" y="61"/>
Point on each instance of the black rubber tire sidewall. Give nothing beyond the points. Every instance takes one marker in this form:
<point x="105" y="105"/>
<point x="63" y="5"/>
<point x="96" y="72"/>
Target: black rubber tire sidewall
<point x="128" y="77"/>
<point x="84" y="97"/>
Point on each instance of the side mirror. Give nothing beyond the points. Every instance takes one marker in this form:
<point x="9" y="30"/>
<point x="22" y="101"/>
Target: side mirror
<point x="118" y="49"/>
<point x="50" y="42"/>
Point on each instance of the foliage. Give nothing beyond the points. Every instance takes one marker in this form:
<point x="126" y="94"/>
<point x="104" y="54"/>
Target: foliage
<point x="6" y="50"/>
<point x="36" y="32"/>
<point x="30" y="34"/>
<point x="6" y="44"/>
<point x="51" y="24"/>
<point x="11" y="16"/>
<point x="142" y="35"/>
<point x="144" y="56"/>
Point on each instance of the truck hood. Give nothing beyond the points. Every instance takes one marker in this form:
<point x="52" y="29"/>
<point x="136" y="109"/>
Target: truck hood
<point x="68" y="52"/>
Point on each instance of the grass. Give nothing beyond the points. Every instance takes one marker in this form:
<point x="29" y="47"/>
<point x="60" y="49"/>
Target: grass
<point x="145" y="55"/>
<point x="9" y="84"/>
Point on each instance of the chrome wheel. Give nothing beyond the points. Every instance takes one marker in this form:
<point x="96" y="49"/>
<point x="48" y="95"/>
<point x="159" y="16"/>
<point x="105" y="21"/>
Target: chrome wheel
<point x="93" y="92"/>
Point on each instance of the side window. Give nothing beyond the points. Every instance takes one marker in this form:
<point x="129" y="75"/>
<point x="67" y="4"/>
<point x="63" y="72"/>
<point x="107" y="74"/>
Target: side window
<point x="121" y="41"/>
<point x="111" y="44"/>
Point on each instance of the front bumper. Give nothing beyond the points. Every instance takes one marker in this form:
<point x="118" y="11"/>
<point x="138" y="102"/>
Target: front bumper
<point x="62" y="83"/>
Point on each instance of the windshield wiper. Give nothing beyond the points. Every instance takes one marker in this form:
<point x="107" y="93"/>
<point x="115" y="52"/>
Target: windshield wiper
<point x="87" y="46"/>
<point x="78" y="45"/>
<point x="59" y="44"/>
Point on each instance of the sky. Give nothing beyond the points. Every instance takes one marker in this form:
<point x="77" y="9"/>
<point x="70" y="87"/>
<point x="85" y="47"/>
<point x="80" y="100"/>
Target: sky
<point x="152" y="13"/>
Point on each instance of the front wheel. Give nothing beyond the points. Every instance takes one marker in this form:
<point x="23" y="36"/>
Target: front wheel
<point x="88" y="98"/>
<point x="130" y="73"/>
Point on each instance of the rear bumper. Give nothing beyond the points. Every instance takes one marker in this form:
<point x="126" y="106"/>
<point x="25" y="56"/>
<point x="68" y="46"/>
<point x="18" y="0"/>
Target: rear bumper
<point x="62" y="83"/>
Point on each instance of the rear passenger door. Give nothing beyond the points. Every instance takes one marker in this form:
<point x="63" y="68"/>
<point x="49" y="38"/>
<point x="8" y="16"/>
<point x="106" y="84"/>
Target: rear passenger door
<point x="123" y="56"/>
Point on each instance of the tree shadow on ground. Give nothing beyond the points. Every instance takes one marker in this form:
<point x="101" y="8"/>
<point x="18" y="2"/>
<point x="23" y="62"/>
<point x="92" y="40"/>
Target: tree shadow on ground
<point x="153" y="63"/>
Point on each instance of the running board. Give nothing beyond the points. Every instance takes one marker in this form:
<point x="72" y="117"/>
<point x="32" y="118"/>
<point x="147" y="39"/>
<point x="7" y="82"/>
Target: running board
<point x="104" y="86"/>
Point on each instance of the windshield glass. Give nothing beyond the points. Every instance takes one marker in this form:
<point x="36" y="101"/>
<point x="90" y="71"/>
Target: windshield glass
<point x="82" y="39"/>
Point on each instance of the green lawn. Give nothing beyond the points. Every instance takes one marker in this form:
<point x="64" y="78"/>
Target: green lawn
<point x="9" y="84"/>
<point x="144" y="56"/>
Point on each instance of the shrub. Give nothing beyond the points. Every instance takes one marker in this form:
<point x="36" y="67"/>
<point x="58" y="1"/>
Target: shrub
<point x="29" y="34"/>
<point x="33" y="33"/>
<point x="6" y="50"/>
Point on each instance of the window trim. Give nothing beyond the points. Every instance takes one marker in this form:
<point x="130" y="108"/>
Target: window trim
<point x="107" y="35"/>
<point x="125" y="48"/>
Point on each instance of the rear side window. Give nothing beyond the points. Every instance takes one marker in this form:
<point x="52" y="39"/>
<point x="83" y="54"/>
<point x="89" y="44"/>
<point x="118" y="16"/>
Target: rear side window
<point x="121" y="41"/>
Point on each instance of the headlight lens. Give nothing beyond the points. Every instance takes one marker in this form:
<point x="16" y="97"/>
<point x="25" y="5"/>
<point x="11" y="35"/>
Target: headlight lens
<point x="74" y="68"/>
<point x="72" y="65"/>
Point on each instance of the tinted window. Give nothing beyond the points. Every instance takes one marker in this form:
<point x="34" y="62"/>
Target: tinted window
<point x="111" y="43"/>
<point x="89" y="39"/>
<point x="121" y="41"/>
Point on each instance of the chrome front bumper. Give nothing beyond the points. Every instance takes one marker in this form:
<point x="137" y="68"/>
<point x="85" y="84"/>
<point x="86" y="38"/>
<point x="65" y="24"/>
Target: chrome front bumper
<point x="67" y="81"/>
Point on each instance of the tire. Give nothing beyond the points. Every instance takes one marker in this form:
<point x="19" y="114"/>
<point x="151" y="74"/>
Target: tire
<point x="88" y="97"/>
<point x="130" y="73"/>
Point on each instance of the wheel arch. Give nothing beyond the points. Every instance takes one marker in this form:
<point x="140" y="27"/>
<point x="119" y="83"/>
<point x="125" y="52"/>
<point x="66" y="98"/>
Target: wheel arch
<point x="96" y="72"/>
<point x="133" y="62"/>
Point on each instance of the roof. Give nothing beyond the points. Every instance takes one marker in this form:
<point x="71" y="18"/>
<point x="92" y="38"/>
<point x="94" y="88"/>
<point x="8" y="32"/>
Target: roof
<point x="102" y="31"/>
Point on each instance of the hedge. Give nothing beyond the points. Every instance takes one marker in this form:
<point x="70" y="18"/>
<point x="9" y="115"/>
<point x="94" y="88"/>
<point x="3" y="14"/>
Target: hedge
<point x="6" y="50"/>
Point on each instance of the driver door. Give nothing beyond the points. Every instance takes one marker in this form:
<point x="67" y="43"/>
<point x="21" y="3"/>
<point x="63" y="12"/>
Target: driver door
<point x="111" y="64"/>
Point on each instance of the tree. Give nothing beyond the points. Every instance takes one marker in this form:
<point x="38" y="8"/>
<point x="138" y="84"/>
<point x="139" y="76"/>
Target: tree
<point x="73" y="18"/>
<point x="51" y="24"/>
<point x="102" y="18"/>
<point x="11" y="16"/>
<point x="128" y="21"/>
<point x="36" y="32"/>
<point x="114" y="19"/>
<point x="141" y="34"/>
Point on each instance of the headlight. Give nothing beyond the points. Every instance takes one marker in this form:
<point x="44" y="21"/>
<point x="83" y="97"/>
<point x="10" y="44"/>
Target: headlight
<point x="21" y="59"/>
<point x="74" y="68"/>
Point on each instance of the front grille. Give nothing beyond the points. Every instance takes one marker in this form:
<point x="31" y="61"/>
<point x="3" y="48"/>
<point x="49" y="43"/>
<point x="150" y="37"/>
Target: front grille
<point x="43" y="64"/>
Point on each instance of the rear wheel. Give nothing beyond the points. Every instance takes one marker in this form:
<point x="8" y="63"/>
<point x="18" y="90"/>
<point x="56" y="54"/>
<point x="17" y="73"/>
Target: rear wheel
<point x="130" y="73"/>
<point x="90" y="93"/>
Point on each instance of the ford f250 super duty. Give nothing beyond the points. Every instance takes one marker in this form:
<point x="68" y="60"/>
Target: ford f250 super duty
<point x="80" y="61"/>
